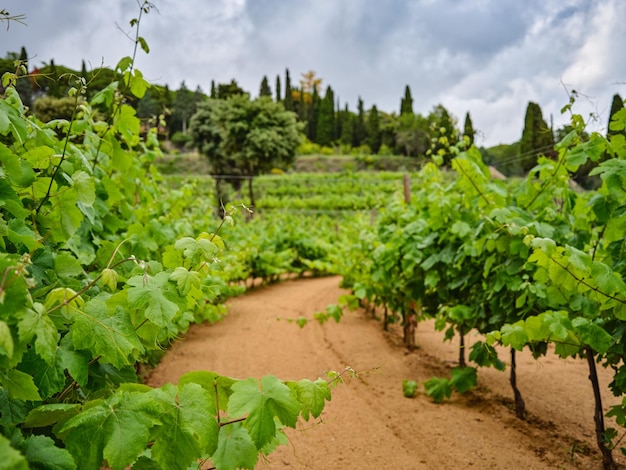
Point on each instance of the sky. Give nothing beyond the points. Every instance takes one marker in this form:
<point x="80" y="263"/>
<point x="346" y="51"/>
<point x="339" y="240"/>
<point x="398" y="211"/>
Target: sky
<point x="485" y="57"/>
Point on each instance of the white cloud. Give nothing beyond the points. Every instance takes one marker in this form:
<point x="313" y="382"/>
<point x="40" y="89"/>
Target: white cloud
<point x="489" y="57"/>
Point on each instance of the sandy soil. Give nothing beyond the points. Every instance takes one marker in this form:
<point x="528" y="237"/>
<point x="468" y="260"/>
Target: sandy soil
<point x="369" y="424"/>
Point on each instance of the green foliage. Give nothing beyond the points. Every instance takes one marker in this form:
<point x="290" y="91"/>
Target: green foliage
<point x="100" y="268"/>
<point x="409" y="388"/>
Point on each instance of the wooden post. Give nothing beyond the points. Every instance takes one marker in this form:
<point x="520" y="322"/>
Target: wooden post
<point x="407" y="188"/>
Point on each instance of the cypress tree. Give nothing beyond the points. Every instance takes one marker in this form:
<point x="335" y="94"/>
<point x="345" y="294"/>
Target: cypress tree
<point x="213" y="90"/>
<point x="313" y="115"/>
<point x="616" y="105"/>
<point x="347" y="126"/>
<point x="288" y="96"/>
<point x="24" y="86"/>
<point x="537" y="138"/>
<point x="373" y="130"/>
<point x="326" y="119"/>
<point x="278" y="98"/>
<point x="265" y="89"/>
<point x="53" y="88"/>
<point x="359" y="132"/>
<point x="406" y="104"/>
<point x="468" y="128"/>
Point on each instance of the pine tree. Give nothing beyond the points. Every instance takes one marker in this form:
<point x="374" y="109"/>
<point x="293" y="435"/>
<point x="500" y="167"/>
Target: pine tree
<point x="373" y="130"/>
<point x="265" y="89"/>
<point x="406" y="104"/>
<point x="213" y="90"/>
<point x="288" y="96"/>
<point x="468" y="128"/>
<point x="537" y="138"/>
<point x="278" y="89"/>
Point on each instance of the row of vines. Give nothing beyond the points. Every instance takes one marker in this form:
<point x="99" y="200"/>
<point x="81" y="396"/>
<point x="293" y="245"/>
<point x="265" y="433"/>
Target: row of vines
<point x="530" y="264"/>
<point x="102" y="265"/>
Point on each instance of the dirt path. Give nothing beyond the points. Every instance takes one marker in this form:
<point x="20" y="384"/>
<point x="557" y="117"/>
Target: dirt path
<point x="369" y="424"/>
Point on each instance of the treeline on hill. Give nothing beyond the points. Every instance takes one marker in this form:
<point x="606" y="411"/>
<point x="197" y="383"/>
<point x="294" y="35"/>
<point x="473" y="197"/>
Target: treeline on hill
<point x="328" y="127"/>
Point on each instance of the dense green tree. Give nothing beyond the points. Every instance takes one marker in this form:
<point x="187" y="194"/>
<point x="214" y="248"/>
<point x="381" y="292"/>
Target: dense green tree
<point x="245" y="137"/>
<point x="265" y="89"/>
<point x="213" y="90"/>
<point x="48" y="108"/>
<point x="468" y="128"/>
<point x="359" y="130"/>
<point x="413" y="135"/>
<point x="312" y="111"/>
<point x="148" y="106"/>
<point x="183" y="107"/>
<point x="373" y="129"/>
<point x="278" y="90"/>
<point x="326" y="119"/>
<point x="288" y="94"/>
<point x="226" y="90"/>
<point x="347" y="126"/>
<point x="406" y="104"/>
<point x="537" y="138"/>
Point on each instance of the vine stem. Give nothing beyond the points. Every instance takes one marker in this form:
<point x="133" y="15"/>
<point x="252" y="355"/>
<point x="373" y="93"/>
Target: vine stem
<point x="598" y="416"/>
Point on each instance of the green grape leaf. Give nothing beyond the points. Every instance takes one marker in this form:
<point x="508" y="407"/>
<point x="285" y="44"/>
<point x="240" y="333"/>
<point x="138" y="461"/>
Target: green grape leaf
<point x="147" y="292"/>
<point x="514" y="335"/>
<point x="48" y="415"/>
<point x="36" y="322"/>
<point x="463" y="378"/>
<point x="186" y="280"/>
<point x="12" y="459"/>
<point x="7" y="345"/>
<point x="49" y="378"/>
<point x="18" y="171"/>
<point x="76" y="363"/>
<point x="41" y="452"/>
<point x="20" y="385"/>
<point x="110" y="335"/>
<point x="189" y="428"/>
<point x="12" y="411"/>
<point x="128" y="125"/>
<point x="438" y="388"/>
<point x="409" y="388"/>
<point x="537" y="329"/>
<point x="235" y="449"/>
<point x="117" y="429"/>
<point x="213" y="383"/>
<point x="262" y="404"/>
<point x="592" y="334"/>
<point x="312" y="396"/>
<point x="485" y="355"/>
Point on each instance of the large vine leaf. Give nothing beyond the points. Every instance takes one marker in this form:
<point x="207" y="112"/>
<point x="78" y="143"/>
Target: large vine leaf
<point x="235" y="449"/>
<point x="117" y="429"/>
<point x="189" y="428"/>
<point x="262" y="404"/>
<point x="147" y="292"/>
<point x="110" y="335"/>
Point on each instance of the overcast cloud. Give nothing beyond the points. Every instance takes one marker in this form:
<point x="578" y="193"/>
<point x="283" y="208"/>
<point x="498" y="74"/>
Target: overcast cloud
<point x="488" y="57"/>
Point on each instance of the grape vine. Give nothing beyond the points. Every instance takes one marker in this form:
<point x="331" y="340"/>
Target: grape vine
<point x="99" y="270"/>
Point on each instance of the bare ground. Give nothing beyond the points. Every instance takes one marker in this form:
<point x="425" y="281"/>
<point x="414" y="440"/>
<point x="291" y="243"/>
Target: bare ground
<point x="369" y="424"/>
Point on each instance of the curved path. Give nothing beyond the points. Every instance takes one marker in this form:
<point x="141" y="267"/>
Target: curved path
<point x="369" y="424"/>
